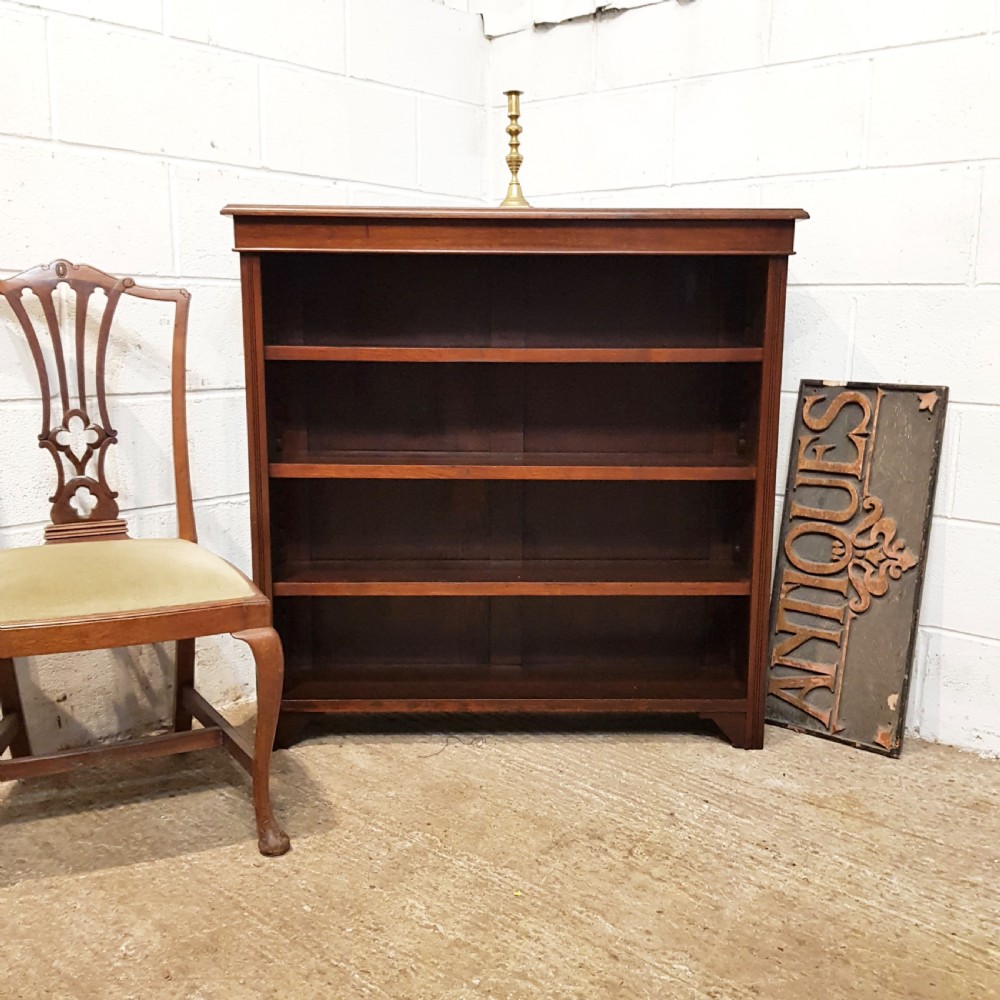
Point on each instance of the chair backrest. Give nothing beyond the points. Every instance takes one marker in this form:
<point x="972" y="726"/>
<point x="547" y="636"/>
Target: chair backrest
<point x="83" y="505"/>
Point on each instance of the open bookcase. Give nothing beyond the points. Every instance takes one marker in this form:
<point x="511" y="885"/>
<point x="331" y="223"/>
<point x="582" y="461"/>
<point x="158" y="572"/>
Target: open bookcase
<point x="516" y="460"/>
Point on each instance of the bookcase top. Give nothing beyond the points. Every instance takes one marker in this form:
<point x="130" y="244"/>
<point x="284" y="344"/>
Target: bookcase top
<point x="527" y="214"/>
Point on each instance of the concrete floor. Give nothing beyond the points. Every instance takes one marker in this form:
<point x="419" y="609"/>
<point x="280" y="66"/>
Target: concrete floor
<point x="501" y="864"/>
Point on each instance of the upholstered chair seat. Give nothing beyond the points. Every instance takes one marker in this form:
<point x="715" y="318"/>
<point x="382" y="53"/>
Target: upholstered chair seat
<point x="45" y="583"/>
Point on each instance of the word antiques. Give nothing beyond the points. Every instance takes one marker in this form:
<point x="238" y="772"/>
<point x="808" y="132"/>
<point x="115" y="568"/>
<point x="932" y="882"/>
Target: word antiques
<point x="840" y="552"/>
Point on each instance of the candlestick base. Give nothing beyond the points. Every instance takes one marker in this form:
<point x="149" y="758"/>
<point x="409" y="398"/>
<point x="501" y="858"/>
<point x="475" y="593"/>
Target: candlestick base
<point x="515" y="197"/>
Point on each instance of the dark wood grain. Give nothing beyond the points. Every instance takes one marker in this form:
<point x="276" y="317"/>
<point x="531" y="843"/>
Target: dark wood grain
<point x="184" y="657"/>
<point x="515" y="461"/>
<point x="533" y="355"/>
<point x="767" y="458"/>
<point x="210" y="717"/>
<point x="734" y="726"/>
<point x="10" y="726"/>
<point x="513" y="577"/>
<point x="16" y="737"/>
<point x="428" y="654"/>
<point x="571" y="408"/>
<point x="69" y="635"/>
<point x="631" y="705"/>
<point x="511" y="302"/>
<point x="256" y="419"/>
<point x="531" y="231"/>
<point x="265" y="645"/>
<point x="569" y="236"/>
<point x="69" y="760"/>
<point x="691" y="682"/>
<point x="488" y="215"/>
<point x="85" y="407"/>
<point x="455" y="520"/>
<point x="515" y="465"/>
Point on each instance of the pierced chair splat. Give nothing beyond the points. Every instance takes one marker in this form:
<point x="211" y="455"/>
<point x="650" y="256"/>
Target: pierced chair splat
<point x="138" y="590"/>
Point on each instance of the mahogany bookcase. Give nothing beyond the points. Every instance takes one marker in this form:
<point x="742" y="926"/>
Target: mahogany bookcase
<point x="516" y="460"/>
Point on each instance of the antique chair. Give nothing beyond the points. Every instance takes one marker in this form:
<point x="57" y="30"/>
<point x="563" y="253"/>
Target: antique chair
<point x="90" y="586"/>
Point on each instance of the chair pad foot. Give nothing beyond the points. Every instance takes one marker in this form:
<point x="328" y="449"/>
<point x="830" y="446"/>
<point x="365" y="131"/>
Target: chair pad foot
<point x="273" y="842"/>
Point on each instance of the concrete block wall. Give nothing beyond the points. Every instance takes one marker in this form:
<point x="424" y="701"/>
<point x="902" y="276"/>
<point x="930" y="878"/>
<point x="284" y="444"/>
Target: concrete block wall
<point x="883" y="121"/>
<point x="125" y="126"/>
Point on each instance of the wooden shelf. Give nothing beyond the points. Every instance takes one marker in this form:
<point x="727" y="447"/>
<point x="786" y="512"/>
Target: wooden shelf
<point x="511" y="577"/>
<point x="517" y="409"/>
<point x="539" y="355"/>
<point x="501" y="465"/>
<point x="677" y="684"/>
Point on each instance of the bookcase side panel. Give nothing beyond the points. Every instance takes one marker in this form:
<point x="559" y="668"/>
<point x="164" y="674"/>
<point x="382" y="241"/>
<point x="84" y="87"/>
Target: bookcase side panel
<point x="767" y="444"/>
<point x="253" y="353"/>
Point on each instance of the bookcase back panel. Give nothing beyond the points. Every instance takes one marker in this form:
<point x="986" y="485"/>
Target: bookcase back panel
<point x="612" y="629"/>
<point x="550" y="300"/>
<point x="521" y="646"/>
<point x="383" y="630"/>
<point x="346" y="519"/>
<point x="408" y="407"/>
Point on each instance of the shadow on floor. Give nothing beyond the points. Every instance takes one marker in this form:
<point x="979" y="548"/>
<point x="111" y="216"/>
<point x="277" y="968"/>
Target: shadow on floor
<point x="325" y="726"/>
<point x="174" y="807"/>
<point x="169" y="807"/>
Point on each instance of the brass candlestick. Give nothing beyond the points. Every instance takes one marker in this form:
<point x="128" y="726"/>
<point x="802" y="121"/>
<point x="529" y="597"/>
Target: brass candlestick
<point x="515" y="196"/>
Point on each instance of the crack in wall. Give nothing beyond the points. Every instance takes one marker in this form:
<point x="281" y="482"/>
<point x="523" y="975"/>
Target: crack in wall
<point x="506" y="17"/>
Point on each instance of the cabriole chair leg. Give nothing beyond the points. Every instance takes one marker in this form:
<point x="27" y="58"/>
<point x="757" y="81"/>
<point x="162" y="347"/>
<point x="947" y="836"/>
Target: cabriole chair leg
<point x="266" y="648"/>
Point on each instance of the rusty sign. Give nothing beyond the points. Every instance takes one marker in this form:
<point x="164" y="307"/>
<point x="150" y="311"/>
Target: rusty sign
<point x="851" y="551"/>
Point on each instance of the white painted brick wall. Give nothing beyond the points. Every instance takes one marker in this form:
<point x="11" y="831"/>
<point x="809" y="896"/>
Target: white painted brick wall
<point x="595" y="144"/>
<point x="800" y="31"/>
<point x="306" y="33"/>
<point x="440" y="54"/>
<point x="125" y="126"/>
<point x="146" y="14"/>
<point x="958" y="688"/>
<point x="988" y="250"/>
<point x="883" y="121"/>
<point x="659" y="43"/>
<point x="977" y="481"/>
<point x="23" y="71"/>
<point x="562" y="62"/>
<point x="786" y="119"/>
<point x="930" y="103"/>
<point x="90" y="62"/>
<point x="313" y="122"/>
<point x="64" y="196"/>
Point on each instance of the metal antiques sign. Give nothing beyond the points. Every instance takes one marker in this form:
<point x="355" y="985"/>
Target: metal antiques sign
<point x="851" y="551"/>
